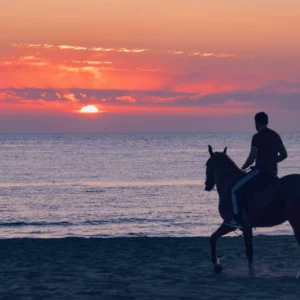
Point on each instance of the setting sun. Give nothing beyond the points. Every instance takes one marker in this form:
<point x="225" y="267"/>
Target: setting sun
<point x="89" y="109"/>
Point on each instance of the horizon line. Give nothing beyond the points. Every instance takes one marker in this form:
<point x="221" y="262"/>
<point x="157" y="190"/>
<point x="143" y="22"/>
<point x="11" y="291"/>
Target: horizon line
<point x="134" y="132"/>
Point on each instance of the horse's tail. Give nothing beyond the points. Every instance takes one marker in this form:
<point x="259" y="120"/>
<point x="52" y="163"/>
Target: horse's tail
<point x="291" y="193"/>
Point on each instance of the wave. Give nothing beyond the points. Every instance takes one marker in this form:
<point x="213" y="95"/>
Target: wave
<point x="88" y="222"/>
<point x="20" y="224"/>
<point x="97" y="185"/>
<point x="126" y="221"/>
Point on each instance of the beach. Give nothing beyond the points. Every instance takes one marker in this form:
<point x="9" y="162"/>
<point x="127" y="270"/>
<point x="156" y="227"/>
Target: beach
<point x="147" y="268"/>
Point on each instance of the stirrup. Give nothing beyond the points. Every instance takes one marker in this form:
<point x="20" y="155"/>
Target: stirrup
<point x="233" y="223"/>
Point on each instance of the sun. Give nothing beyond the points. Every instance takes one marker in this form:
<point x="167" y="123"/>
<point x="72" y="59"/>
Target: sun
<point x="89" y="109"/>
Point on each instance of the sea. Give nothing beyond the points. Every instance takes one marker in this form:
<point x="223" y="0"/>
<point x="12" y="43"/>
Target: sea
<point x="117" y="184"/>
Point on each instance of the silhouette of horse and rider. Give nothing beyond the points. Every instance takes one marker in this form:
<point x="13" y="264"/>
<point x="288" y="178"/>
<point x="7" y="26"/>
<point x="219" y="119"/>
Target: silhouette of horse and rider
<point x="257" y="198"/>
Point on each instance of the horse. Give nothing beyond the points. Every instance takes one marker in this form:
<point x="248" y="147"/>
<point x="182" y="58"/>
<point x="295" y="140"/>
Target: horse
<point x="282" y="200"/>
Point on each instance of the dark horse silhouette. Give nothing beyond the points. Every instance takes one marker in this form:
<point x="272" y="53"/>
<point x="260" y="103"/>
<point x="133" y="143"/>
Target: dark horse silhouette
<point x="281" y="203"/>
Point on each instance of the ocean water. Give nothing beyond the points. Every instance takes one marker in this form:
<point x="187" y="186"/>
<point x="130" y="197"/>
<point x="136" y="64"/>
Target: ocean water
<point x="109" y="185"/>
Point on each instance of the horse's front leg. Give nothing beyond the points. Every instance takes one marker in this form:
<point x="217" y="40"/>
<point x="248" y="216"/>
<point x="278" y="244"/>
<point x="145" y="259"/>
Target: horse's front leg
<point x="248" y="237"/>
<point x="222" y="230"/>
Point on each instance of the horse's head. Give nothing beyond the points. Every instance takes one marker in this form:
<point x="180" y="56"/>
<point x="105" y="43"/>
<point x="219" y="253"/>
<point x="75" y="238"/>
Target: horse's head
<point x="210" y="172"/>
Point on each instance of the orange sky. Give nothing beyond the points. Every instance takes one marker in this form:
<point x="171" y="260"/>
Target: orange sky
<point x="205" y="59"/>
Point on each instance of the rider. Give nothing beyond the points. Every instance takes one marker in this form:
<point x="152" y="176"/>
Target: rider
<point x="267" y="150"/>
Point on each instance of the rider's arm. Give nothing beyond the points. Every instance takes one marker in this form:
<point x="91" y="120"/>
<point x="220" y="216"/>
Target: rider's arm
<point x="251" y="158"/>
<point x="282" y="153"/>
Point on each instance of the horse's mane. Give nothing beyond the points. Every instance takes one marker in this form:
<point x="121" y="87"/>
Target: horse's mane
<point x="225" y="161"/>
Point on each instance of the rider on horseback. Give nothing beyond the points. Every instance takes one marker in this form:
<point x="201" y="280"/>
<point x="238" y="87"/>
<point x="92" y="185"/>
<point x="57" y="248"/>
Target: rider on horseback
<point x="267" y="150"/>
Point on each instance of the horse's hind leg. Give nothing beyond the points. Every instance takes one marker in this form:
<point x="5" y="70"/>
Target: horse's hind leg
<point x="222" y="230"/>
<point x="295" y="223"/>
<point x="248" y="237"/>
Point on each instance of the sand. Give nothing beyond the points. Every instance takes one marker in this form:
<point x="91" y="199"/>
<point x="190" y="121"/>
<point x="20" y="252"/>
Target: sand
<point x="147" y="268"/>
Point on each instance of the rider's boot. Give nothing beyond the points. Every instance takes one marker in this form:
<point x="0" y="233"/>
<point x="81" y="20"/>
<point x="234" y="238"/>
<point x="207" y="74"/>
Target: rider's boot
<point x="237" y="222"/>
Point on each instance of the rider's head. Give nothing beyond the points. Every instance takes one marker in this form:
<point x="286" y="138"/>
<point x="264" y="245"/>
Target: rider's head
<point x="261" y="120"/>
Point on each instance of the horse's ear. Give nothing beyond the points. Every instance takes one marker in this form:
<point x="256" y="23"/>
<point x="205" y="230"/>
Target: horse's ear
<point x="225" y="150"/>
<point x="210" y="150"/>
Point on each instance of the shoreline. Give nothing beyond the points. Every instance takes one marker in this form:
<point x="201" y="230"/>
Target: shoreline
<point x="100" y="237"/>
<point x="140" y="236"/>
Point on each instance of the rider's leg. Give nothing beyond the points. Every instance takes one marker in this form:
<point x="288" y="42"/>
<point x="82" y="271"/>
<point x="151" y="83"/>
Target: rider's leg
<point x="234" y="190"/>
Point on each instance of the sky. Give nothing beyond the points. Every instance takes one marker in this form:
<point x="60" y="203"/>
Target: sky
<point x="148" y="65"/>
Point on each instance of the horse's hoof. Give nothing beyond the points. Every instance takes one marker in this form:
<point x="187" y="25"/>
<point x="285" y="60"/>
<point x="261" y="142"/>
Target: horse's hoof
<point x="218" y="269"/>
<point x="251" y="273"/>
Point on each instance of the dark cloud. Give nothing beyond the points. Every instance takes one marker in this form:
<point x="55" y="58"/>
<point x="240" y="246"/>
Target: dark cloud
<point x="263" y="97"/>
<point x="257" y="98"/>
<point x="281" y="86"/>
<point x="87" y="95"/>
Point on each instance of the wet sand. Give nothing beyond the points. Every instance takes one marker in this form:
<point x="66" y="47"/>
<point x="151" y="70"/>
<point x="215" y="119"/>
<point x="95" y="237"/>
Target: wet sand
<point x="147" y="268"/>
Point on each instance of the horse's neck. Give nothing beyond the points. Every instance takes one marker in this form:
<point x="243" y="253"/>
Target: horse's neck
<point x="226" y="179"/>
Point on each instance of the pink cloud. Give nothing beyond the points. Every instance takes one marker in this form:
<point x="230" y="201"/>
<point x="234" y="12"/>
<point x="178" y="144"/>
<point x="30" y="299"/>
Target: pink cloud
<point x="218" y="55"/>
<point x="123" y="50"/>
<point x="79" y="48"/>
